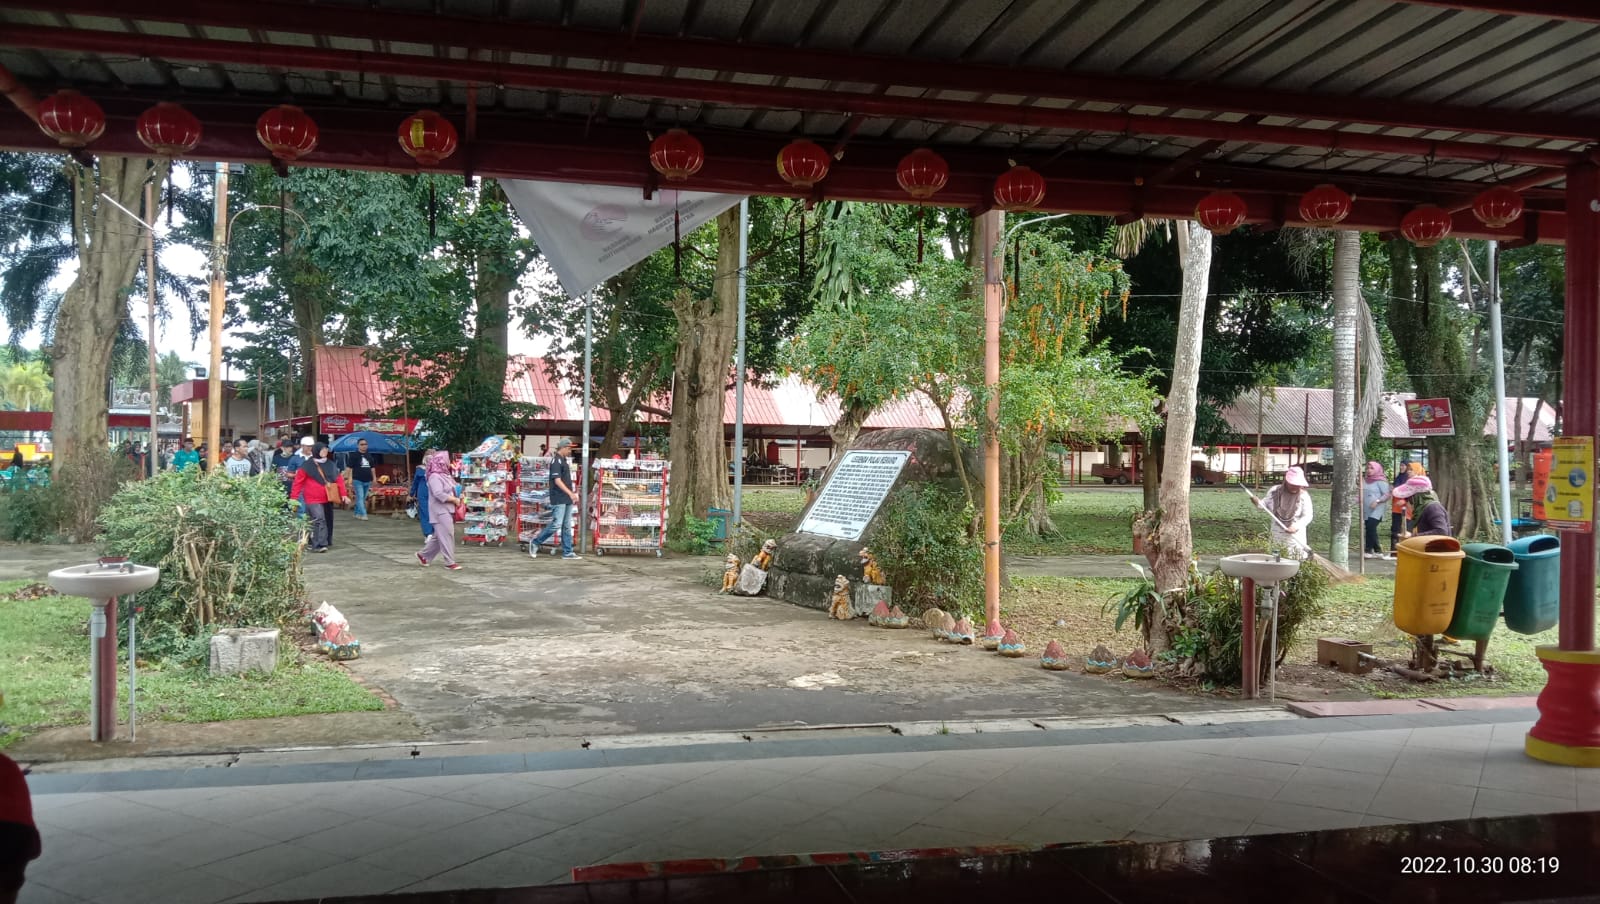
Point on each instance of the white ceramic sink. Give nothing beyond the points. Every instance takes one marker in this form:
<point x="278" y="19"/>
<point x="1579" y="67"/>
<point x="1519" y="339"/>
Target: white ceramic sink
<point x="1260" y="567"/>
<point x="100" y="582"/>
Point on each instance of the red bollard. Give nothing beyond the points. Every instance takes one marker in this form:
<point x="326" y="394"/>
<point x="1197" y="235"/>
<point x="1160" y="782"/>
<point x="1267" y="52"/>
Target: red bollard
<point x="1251" y="682"/>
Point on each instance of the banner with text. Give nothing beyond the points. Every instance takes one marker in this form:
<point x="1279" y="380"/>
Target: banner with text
<point x="1430" y="417"/>
<point x="1569" y="498"/>
<point x="590" y="233"/>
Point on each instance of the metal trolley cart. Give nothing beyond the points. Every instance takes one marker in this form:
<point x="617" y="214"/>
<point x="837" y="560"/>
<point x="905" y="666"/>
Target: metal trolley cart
<point x="630" y="504"/>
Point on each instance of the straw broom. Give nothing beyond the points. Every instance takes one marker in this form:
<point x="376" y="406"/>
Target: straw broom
<point x="1338" y="574"/>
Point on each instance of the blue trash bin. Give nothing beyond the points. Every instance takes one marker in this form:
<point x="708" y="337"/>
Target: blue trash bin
<point x="1533" y="595"/>
<point x="719" y="520"/>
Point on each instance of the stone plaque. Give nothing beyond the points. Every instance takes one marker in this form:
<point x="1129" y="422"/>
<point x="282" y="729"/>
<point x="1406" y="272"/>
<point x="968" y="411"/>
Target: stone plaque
<point x="853" y="493"/>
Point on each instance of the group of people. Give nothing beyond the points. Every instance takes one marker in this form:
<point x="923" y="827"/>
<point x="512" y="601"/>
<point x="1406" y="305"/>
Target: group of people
<point x="1414" y="508"/>
<point x="314" y="476"/>
<point x="437" y="496"/>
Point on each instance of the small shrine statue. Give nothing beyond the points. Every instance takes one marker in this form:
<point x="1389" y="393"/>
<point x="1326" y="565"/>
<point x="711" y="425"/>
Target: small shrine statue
<point x="947" y="628"/>
<point x="730" y="573"/>
<point x="879" y="615"/>
<point x="933" y="620"/>
<point x="763" y="559"/>
<point x="839" y="605"/>
<point x="897" y="618"/>
<point x="963" y="632"/>
<point x="871" y="572"/>
<point x="1138" y="665"/>
<point x="1099" y="661"/>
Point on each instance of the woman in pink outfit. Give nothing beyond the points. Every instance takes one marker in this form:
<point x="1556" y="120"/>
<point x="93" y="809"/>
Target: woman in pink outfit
<point x="442" y="502"/>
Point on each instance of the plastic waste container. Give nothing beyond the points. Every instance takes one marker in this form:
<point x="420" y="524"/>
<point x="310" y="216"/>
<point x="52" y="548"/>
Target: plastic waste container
<point x="719" y="522"/>
<point x="1533" y="596"/>
<point x="1426" y="575"/>
<point x="1484" y="575"/>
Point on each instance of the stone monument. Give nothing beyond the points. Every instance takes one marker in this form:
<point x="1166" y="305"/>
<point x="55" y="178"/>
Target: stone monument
<point x="840" y="522"/>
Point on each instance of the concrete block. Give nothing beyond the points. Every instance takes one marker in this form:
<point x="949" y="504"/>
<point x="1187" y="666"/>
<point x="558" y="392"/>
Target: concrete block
<point x="235" y="651"/>
<point x="864" y="597"/>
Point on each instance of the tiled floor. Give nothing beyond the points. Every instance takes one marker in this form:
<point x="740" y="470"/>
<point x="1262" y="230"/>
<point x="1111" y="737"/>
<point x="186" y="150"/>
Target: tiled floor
<point x="248" y="842"/>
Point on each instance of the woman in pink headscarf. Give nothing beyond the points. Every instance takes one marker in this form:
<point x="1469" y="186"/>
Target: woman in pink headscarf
<point x="1374" y="493"/>
<point x="442" y="502"/>
<point x="1290" y="504"/>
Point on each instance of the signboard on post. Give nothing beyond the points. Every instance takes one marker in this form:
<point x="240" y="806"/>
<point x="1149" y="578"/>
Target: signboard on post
<point x="854" y="493"/>
<point x="1569" y="499"/>
<point x="1430" y="417"/>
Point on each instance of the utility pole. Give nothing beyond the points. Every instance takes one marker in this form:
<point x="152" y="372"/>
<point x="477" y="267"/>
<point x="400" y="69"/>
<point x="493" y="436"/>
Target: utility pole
<point x="219" y="265"/>
<point x="150" y="324"/>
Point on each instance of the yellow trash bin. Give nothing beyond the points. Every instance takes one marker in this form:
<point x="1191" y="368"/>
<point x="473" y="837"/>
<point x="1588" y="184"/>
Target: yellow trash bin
<point x="1426" y="575"/>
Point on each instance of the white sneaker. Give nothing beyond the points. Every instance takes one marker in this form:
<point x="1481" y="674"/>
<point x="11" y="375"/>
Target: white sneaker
<point x="533" y="551"/>
<point x="572" y="555"/>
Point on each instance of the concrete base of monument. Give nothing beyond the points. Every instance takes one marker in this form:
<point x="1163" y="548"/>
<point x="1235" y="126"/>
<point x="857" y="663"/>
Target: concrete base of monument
<point x="847" y="511"/>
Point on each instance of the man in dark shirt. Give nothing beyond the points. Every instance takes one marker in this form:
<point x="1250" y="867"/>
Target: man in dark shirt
<point x="562" y="497"/>
<point x="361" y="464"/>
<point x="285" y="462"/>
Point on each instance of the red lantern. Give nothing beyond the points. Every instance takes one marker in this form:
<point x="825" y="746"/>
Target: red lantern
<point x="71" y="119"/>
<point x="1221" y="212"/>
<point x="1324" y="206"/>
<point x="168" y="129"/>
<point x="427" y="137"/>
<point x="1497" y="207"/>
<point x="922" y="173"/>
<point x="1426" y="225"/>
<point x="1018" y="188"/>
<point x="803" y="163"/>
<point x="677" y="155"/>
<point x="287" y="132"/>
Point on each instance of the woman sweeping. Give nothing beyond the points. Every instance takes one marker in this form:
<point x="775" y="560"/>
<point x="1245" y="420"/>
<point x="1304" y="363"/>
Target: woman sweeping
<point x="1290" y="503"/>
<point x="1431" y="518"/>
<point x="1374" y="493"/>
<point x="442" y="502"/>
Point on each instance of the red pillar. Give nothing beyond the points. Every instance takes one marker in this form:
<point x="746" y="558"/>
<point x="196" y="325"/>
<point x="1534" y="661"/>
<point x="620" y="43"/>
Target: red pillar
<point x="1568" y="730"/>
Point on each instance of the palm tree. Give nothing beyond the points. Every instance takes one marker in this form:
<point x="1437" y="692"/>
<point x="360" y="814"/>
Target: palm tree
<point x="25" y="386"/>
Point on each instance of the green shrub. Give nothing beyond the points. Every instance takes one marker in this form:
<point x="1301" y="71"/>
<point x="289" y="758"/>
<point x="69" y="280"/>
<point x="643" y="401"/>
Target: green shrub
<point x="229" y="551"/>
<point x="925" y="550"/>
<point x="31" y="514"/>
<point x="1215" y="608"/>
<point x="697" y="538"/>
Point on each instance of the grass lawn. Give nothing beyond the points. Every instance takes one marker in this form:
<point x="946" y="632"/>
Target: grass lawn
<point x="1033" y="606"/>
<point x="44" y="674"/>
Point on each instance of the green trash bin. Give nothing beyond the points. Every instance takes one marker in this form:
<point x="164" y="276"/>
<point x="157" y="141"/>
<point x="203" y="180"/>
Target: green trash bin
<point x="1484" y="575"/>
<point x="719" y="521"/>
<point x="1533" y="596"/>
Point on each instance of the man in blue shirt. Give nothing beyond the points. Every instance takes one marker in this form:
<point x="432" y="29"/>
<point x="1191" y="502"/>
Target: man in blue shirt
<point x="562" y="497"/>
<point x="187" y="457"/>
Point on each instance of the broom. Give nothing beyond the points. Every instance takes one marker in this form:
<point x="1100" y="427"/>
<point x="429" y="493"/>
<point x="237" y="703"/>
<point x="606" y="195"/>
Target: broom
<point x="1336" y="573"/>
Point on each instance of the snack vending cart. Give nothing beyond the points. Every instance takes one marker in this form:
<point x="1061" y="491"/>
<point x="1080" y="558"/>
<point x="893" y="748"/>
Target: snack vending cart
<point x="630" y="504"/>
<point x="485" y="479"/>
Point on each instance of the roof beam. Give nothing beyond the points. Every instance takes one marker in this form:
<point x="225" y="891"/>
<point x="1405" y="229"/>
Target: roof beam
<point x="760" y="96"/>
<point x="520" y="148"/>
<point x="829" y="66"/>
<point x="1568" y="10"/>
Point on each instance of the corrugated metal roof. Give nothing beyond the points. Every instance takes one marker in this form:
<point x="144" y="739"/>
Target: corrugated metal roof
<point x="1293" y="411"/>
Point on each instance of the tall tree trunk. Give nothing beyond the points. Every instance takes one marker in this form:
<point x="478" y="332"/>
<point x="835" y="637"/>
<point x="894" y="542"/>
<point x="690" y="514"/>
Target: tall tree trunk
<point x="707" y="329"/>
<point x="847" y="428"/>
<point x="1150" y="472"/>
<point x="1346" y="304"/>
<point x="91" y="310"/>
<point x="495" y="273"/>
<point x="1175" y="544"/>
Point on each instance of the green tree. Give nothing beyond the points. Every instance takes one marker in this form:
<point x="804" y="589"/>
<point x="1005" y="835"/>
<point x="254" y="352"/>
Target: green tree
<point x="25" y="386"/>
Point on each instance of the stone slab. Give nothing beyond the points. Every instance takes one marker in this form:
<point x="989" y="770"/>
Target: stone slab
<point x="1459" y="704"/>
<point x="1363" y="708"/>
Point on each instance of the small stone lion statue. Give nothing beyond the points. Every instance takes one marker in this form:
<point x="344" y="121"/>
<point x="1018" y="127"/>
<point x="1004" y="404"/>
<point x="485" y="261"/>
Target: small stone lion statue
<point x="839" y="604"/>
<point x="871" y="572"/>
<point x="763" y="559"/>
<point x="730" y="573"/>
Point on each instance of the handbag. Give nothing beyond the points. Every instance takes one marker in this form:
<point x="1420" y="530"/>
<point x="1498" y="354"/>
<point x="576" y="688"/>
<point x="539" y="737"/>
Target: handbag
<point x="460" y="514"/>
<point x="332" y="489"/>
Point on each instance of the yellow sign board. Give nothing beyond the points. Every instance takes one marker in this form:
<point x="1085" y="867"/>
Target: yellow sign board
<point x="1569" y="499"/>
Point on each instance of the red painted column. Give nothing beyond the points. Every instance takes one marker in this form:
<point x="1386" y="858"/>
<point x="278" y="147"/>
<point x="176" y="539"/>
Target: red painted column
<point x="1568" y="730"/>
<point x="1250" y="684"/>
<point x="1579" y="385"/>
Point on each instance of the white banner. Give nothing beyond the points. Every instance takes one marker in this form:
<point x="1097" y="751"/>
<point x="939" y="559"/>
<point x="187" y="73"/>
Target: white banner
<point x="590" y="233"/>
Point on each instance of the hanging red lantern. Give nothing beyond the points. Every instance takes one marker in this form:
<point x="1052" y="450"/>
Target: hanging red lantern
<point x="427" y="137"/>
<point x="1496" y="207"/>
<point x="168" y="129"/>
<point x="1324" y="206"/>
<point x="287" y="132"/>
<point x="803" y="163"/>
<point x="1018" y="188"/>
<point x="71" y="119"/>
<point x="677" y="155"/>
<point x="922" y="173"/>
<point x="1221" y="212"/>
<point x="1426" y="225"/>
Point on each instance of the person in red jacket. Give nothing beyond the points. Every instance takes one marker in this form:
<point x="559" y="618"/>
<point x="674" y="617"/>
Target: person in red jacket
<point x="320" y="485"/>
<point x="19" y="838"/>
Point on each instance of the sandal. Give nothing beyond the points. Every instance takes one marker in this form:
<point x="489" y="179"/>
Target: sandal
<point x="454" y="566"/>
<point x="421" y="561"/>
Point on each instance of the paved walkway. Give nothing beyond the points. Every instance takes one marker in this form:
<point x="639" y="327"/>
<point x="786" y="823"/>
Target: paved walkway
<point x="262" y="833"/>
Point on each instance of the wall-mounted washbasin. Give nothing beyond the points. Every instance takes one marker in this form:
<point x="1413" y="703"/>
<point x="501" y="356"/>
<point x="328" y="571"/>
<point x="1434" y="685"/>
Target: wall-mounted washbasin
<point x="1263" y="568"/>
<point x="101" y="582"/>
